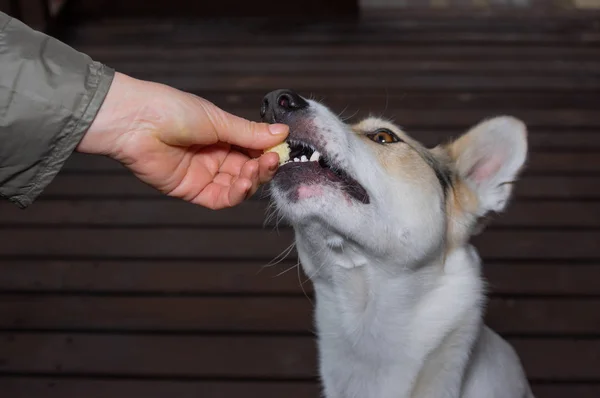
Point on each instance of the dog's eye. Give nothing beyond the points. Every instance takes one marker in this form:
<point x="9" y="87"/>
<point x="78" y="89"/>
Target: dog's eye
<point x="383" y="136"/>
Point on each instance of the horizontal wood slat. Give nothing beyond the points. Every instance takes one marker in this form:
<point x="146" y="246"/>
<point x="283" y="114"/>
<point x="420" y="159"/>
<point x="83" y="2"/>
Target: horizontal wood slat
<point x="488" y="31"/>
<point x="538" y="162"/>
<point x="263" y="245"/>
<point x="396" y="38"/>
<point x="252" y="277"/>
<point x="339" y="67"/>
<point x="48" y="387"/>
<point x="287" y="357"/>
<point x="126" y="185"/>
<point x="344" y="51"/>
<point x="175" y="212"/>
<point x="261" y="314"/>
<point x="27" y="387"/>
<point x="400" y="81"/>
<point x="150" y="355"/>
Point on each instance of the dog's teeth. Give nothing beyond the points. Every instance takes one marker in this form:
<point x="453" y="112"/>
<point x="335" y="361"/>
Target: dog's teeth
<point x="296" y="160"/>
<point x="304" y="158"/>
<point x="315" y="156"/>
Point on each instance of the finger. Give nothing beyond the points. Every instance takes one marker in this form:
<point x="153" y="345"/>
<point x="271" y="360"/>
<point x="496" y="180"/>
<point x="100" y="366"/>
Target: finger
<point x="233" y="163"/>
<point x="245" y="133"/>
<point x="250" y="171"/>
<point x="267" y="167"/>
<point x="239" y="191"/>
<point x="219" y="196"/>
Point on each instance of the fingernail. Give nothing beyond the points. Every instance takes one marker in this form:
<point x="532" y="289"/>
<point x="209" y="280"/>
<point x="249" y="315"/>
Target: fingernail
<point x="278" y="129"/>
<point x="273" y="167"/>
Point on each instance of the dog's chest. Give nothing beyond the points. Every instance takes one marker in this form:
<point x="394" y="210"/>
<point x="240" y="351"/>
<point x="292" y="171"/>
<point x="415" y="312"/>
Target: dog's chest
<point x="363" y="354"/>
<point x="376" y="333"/>
<point x="369" y="319"/>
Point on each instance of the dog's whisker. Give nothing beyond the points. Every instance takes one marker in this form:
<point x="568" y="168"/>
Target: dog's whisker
<point x="281" y="257"/>
<point x="302" y="285"/>
<point x="351" y="116"/>
<point x="286" y="270"/>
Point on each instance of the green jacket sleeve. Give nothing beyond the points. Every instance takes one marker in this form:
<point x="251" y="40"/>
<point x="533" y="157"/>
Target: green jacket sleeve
<point x="49" y="96"/>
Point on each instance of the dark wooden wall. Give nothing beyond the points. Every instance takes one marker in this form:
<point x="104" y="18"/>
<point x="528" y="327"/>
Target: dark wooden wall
<point x="108" y="289"/>
<point x="95" y="9"/>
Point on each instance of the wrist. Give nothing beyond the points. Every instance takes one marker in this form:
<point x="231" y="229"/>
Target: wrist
<point x="114" y="118"/>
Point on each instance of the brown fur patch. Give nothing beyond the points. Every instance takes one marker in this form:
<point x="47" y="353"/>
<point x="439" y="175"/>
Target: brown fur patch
<point x="401" y="160"/>
<point x="416" y="163"/>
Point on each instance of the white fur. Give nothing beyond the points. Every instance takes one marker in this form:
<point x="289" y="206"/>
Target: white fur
<point x="396" y="315"/>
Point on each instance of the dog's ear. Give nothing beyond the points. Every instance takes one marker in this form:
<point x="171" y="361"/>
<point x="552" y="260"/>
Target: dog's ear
<point x="488" y="159"/>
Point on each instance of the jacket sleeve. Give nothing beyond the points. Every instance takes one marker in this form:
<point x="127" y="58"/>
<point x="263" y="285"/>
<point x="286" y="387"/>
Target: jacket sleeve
<point x="49" y="96"/>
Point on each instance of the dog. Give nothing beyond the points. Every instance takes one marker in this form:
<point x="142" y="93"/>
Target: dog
<point x="382" y="227"/>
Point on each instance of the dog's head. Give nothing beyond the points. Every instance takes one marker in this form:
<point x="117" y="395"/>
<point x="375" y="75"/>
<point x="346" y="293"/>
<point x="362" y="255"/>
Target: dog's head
<point x="371" y="184"/>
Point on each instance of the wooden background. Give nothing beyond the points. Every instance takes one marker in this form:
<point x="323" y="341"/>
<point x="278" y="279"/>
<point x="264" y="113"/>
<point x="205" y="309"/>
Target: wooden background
<point x="108" y="289"/>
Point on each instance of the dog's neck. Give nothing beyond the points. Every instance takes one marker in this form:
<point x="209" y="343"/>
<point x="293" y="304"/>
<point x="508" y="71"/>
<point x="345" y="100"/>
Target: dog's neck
<point x="383" y="327"/>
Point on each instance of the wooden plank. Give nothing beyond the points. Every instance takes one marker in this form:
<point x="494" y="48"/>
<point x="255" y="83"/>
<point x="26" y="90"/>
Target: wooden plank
<point x="408" y="81"/>
<point x="35" y="14"/>
<point x="154" y="355"/>
<point x="534" y="245"/>
<point x="572" y="365"/>
<point x="482" y="9"/>
<point x="402" y="30"/>
<point x="547" y="187"/>
<point x="543" y="316"/>
<point x="566" y="278"/>
<point x="127" y="186"/>
<point x="272" y="357"/>
<point x="162" y="243"/>
<point x="378" y="23"/>
<point x="27" y="387"/>
<point x="118" y="51"/>
<point x="328" y="32"/>
<point x="252" y="277"/>
<point x="48" y="387"/>
<point x="261" y="314"/>
<point x="5" y="6"/>
<point x="538" y="162"/>
<point x="567" y="162"/>
<point x="325" y="67"/>
<point x="206" y="314"/>
<point x="86" y="10"/>
<point x="255" y="213"/>
<point x="581" y="390"/>
<point x="558" y="140"/>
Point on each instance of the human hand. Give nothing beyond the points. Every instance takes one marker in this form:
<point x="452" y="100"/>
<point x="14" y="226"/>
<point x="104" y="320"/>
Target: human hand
<point x="183" y="145"/>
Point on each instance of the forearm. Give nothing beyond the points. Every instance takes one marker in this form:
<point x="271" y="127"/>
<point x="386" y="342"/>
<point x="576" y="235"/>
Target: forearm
<point x="49" y="97"/>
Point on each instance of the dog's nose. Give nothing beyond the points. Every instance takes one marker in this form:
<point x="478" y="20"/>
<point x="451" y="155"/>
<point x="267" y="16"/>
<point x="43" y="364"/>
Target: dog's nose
<point x="281" y="100"/>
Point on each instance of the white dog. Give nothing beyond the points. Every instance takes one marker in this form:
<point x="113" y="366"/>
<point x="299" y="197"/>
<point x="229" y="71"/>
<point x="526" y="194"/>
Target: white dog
<point x="382" y="227"/>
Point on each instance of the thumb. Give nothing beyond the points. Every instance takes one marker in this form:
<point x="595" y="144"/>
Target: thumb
<point x="248" y="134"/>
